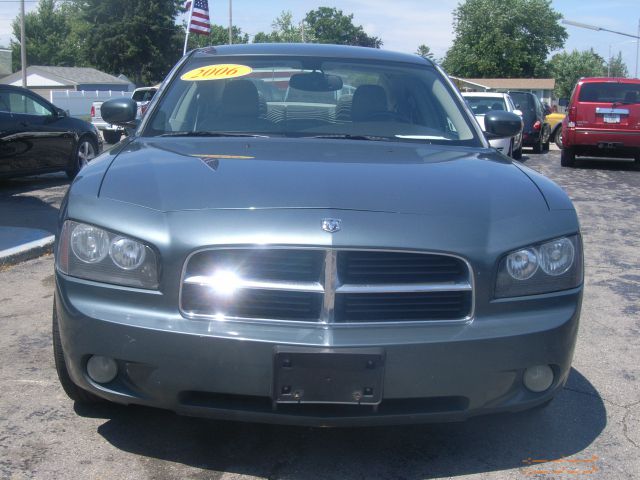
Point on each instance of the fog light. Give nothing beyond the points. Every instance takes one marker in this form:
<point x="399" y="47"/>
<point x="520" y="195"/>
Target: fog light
<point x="102" y="369"/>
<point x="538" y="378"/>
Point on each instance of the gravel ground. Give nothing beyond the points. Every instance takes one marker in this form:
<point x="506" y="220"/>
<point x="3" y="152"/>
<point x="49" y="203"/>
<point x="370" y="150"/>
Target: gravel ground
<point x="591" y="430"/>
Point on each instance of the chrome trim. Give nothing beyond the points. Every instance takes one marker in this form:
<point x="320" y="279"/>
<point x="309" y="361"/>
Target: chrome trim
<point x="327" y="307"/>
<point x="614" y="111"/>
<point x="405" y="288"/>
<point x="330" y="282"/>
<point x="313" y="287"/>
<point x="590" y="131"/>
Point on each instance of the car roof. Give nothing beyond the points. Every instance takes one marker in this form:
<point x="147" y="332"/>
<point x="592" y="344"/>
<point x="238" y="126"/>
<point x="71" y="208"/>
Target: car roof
<point x="608" y="80"/>
<point x="312" y="50"/>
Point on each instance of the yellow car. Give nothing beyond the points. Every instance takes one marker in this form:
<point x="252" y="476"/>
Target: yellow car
<point x="555" y="122"/>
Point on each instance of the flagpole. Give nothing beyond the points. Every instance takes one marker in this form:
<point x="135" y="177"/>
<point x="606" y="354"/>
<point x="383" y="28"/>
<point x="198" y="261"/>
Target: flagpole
<point x="230" y="22"/>
<point x="186" y="38"/>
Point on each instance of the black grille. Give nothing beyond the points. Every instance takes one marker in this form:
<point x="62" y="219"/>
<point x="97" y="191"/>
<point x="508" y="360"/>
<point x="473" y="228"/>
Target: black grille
<point x="380" y="307"/>
<point x="275" y="264"/>
<point x="267" y="304"/>
<point x="371" y="267"/>
<point x="357" y="286"/>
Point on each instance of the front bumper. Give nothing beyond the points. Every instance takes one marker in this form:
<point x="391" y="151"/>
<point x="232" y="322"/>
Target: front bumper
<point x="225" y="369"/>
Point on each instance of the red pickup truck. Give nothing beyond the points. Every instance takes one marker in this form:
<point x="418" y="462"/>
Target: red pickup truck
<point x="603" y="120"/>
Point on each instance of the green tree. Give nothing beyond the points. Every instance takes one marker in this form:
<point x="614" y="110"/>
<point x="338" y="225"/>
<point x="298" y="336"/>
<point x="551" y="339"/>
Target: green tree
<point x="51" y="34"/>
<point x="425" y="52"/>
<point x="219" y="36"/>
<point x="567" y="68"/>
<point x="284" y="30"/>
<point x="136" y="37"/>
<point x="503" y="38"/>
<point x="330" y="25"/>
<point x="617" y="67"/>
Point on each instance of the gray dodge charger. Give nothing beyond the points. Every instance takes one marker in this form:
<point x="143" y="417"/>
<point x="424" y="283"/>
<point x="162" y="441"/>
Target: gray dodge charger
<point x="314" y="235"/>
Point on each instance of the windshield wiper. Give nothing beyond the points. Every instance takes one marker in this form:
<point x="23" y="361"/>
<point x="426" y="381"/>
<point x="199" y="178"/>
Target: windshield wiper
<point x="204" y="133"/>
<point x="347" y="136"/>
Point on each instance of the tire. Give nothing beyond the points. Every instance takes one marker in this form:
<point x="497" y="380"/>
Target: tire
<point x="517" y="154"/>
<point x="538" y="147"/>
<point x="558" y="138"/>
<point x="545" y="145"/>
<point x="73" y="391"/>
<point x="86" y="150"/>
<point x="568" y="157"/>
<point x="111" y="137"/>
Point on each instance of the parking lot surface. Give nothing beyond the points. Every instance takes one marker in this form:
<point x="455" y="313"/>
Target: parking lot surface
<point x="591" y="430"/>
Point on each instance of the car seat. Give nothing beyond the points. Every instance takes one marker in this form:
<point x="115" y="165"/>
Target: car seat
<point x="369" y="101"/>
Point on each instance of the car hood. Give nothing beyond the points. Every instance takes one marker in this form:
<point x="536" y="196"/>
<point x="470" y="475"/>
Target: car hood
<point x="171" y="174"/>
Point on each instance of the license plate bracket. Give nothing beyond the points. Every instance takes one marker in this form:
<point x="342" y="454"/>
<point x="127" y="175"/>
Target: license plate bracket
<point x="328" y="376"/>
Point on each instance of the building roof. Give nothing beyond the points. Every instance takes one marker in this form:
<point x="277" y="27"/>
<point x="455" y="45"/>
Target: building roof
<point x="44" y="76"/>
<point x="514" y="83"/>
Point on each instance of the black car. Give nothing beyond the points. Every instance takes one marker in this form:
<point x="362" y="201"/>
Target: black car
<point x="38" y="137"/>
<point x="537" y="131"/>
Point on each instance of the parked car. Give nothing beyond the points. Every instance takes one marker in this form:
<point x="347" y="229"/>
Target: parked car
<point x="603" y="120"/>
<point x="536" y="132"/>
<point x="143" y="96"/>
<point x="384" y="267"/>
<point x="482" y="103"/>
<point x="38" y="137"/>
<point x="554" y="119"/>
<point x="113" y="133"/>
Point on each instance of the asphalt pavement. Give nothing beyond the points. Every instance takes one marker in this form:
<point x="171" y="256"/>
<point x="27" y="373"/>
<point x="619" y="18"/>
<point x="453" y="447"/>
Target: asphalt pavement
<point x="591" y="430"/>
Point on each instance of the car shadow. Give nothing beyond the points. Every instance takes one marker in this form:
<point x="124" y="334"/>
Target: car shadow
<point x="490" y="443"/>
<point x="597" y="163"/>
<point x="21" y="207"/>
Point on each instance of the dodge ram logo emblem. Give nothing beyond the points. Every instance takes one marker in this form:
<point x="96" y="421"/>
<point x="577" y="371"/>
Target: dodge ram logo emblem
<point x="331" y="225"/>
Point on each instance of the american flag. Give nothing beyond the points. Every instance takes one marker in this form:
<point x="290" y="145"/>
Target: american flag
<point x="200" y="23"/>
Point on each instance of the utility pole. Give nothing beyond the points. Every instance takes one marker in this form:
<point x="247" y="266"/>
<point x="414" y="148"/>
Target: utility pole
<point x="230" y="22"/>
<point x="637" y="48"/>
<point x="23" y="46"/>
<point x="302" y="31"/>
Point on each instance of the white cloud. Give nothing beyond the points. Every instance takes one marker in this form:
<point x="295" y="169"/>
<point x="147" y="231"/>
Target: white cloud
<point x="9" y="11"/>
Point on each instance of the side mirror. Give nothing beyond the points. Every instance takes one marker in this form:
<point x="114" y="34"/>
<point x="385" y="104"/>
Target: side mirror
<point x="501" y="124"/>
<point x="518" y="112"/>
<point x="120" y="111"/>
<point x="546" y="110"/>
<point x="61" y="113"/>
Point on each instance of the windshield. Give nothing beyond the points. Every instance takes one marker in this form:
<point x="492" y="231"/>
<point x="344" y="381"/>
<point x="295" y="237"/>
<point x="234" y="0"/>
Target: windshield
<point x="311" y="97"/>
<point x="483" y="105"/>
<point x="610" y="92"/>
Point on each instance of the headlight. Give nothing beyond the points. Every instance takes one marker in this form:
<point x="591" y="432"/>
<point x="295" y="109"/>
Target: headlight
<point x="92" y="253"/>
<point x="556" y="257"/>
<point x="542" y="268"/>
<point x="89" y="244"/>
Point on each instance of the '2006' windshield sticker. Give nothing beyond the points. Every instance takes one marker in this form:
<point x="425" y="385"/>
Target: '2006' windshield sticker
<point x="216" y="72"/>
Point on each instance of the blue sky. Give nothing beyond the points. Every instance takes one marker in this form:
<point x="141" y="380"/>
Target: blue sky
<point x="404" y="24"/>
